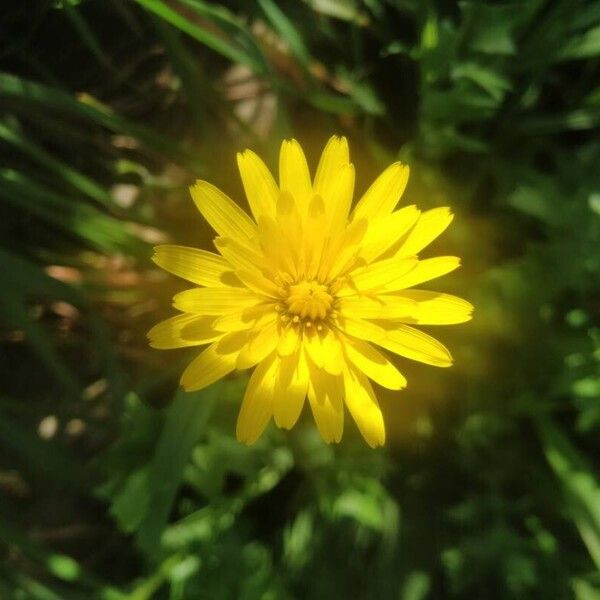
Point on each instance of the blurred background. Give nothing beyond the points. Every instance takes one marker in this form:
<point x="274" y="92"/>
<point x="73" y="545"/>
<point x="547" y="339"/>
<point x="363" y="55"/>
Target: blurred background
<point x="114" y="484"/>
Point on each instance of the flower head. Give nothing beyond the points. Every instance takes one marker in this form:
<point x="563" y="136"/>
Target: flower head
<point x="309" y="293"/>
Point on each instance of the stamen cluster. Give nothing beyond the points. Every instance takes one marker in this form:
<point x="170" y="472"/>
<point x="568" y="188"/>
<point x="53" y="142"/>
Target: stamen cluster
<point x="306" y="305"/>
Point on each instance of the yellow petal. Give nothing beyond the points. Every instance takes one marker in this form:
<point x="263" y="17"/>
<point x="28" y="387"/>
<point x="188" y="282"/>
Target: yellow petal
<point x="260" y="187"/>
<point x="291" y="229"/>
<point x="223" y="214"/>
<point x="233" y="321"/>
<point x="246" y="318"/>
<point x="325" y="351"/>
<point x="313" y="240"/>
<point x="257" y="405"/>
<point x="251" y="266"/>
<point x="373" y="364"/>
<point x="294" y="176"/>
<point x="214" y="301"/>
<point x="427" y="269"/>
<point x="430" y="225"/>
<point x="343" y="255"/>
<point x="384" y="232"/>
<point x="325" y="397"/>
<point x="383" y="195"/>
<point x="335" y="156"/>
<point x="258" y="283"/>
<point x="262" y="343"/>
<point x="289" y="219"/>
<point x="364" y="408"/>
<point x="288" y="341"/>
<point x="169" y="334"/>
<point x="416" y="345"/>
<point x="233" y="342"/>
<point x="378" y="306"/>
<point x="290" y="390"/>
<point x="239" y="254"/>
<point x="207" y="368"/>
<point x="276" y="245"/>
<point x="333" y="358"/>
<point x="193" y="264"/>
<point x="313" y="347"/>
<point x="435" y="308"/>
<point x="200" y="330"/>
<point x="361" y="329"/>
<point x="337" y="205"/>
<point x="377" y="274"/>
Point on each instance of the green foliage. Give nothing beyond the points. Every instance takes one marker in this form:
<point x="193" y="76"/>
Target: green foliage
<point x="114" y="485"/>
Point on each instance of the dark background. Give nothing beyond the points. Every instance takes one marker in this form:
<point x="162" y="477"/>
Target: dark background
<point x="115" y="485"/>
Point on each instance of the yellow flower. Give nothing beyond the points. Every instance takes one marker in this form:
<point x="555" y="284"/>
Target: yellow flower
<point x="306" y="290"/>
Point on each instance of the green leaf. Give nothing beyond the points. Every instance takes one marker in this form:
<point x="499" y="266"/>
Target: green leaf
<point x="586" y="45"/>
<point x="493" y="82"/>
<point x="86" y="33"/>
<point x="417" y="586"/>
<point x="345" y="10"/>
<point x="72" y="216"/>
<point x="131" y="504"/>
<point x="233" y="26"/>
<point x="362" y="93"/>
<point x="584" y="590"/>
<point x="489" y="28"/>
<point x="297" y="540"/>
<point x="581" y="490"/>
<point x="287" y="31"/>
<point x="184" y="425"/>
<point x="187" y="69"/>
<point x="332" y="103"/>
<point x="77" y="180"/>
<point x="219" y="44"/>
<point x="29" y="94"/>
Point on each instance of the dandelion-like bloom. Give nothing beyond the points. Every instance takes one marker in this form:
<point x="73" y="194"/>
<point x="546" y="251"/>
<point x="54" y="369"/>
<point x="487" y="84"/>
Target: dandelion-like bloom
<point x="309" y="292"/>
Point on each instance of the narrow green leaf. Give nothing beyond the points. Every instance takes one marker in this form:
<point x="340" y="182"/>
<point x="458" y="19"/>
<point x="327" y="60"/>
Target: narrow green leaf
<point x="584" y="590"/>
<point x="204" y="36"/>
<point x="86" y="33"/>
<point x="29" y="93"/>
<point x="77" y="180"/>
<point x="345" y="10"/>
<point x="287" y="30"/>
<point x="332" y="103"/>
<point x="580" y="487"/>
<point x="586" y="45"/>
<point x="74" y="217"/>
<point x="493" y="82"/>
<point x="185" y="422"/>
<point x="234" y="27"/>
<point x="186" y="68"/>
<point x="147" y="589"/>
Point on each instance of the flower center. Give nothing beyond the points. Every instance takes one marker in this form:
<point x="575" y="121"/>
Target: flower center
<point x="307" y="305"/>
<point x="309" y="300"/>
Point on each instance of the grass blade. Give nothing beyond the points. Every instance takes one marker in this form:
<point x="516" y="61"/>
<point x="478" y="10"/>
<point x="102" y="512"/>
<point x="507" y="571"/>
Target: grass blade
<point x="28" y="93"/>
<point x="578" y="482"/>
<point x="77" y="180"/>
<point x="217" y="43"/>
<point x="183" y="427"/>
